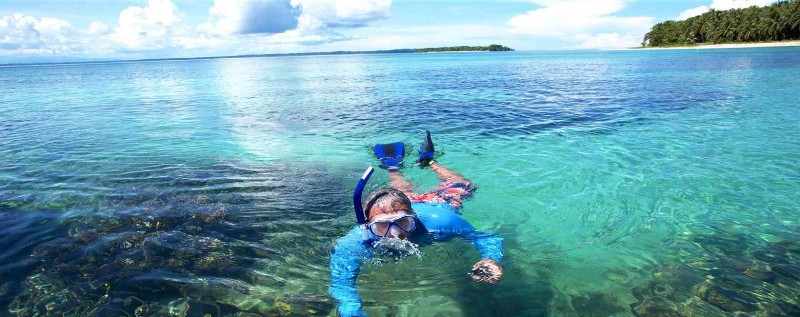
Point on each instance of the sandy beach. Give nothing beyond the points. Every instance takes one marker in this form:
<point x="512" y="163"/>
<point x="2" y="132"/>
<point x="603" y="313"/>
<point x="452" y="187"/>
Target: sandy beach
<point x="729" y="45"/>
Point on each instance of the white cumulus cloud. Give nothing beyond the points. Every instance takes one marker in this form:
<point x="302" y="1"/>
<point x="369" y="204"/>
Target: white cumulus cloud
<point x="610" y="41"/>
<point x="309" y="31"/>
<point x="345" y="12"/>
<point x="22" y="35"/>
<point x="278" y="16"/>
<point x="148" y="28"/>
<point x="693" y="12"/>
<point x="19" y="32"/>
<point x="159" y="29"/>
<point x="287" y="22"/>
<point x="96" y="28"/>
<point x="584" y="22"/>
<point x="723" y="5"/>
<point x="251" y="16"/>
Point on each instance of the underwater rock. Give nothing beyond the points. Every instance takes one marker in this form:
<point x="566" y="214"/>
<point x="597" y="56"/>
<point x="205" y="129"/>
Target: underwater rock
<point x="674" y="281"/>
<point x="214" y="216"/>
<point x="146" y="250"/>
<point x="95" y="222"/>
<point x="704" y="264"/>
<point x="308" y="304"/>
<point x="721" y="275"/>
<point x="43" y="296"/>
<point x="214" y="263"/>
<point x="67" y="268"/>
<point x="143" y="310"/>
<point x="617" y="275"/>
<point x="759" y="271"/>
<point x="661" y="289"/>
<point x="178" y="307"/>
<point x="788" y="309"/>
<point x="726" y="299"/>
<point x="192" y="229"/>
<point x="766" y="276"/>
<point x="656" y="306"/>
<point x="653" y="288"/>
<point x="203" y="308"/>
<point x="5" y="289"/>
<point x="599" y="304"/>
<point x="695" y="306"/>
<point x="107" y="224"/>
<point x="203" y="200"/>
<point x="790" y="246"/>
<point x="87" y="236"/>
<point x="732" y="279"/>
<point x="56" y="248"/>
<point x="770" y="257"/>
<point x="728" y="245"/>
<point x="787" y="271"/>
<point x="696" y="257"/>
<point x="152" y="222"/>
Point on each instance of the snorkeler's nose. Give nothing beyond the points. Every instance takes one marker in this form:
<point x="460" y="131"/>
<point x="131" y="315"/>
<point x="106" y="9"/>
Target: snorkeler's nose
<point x="395" y="232"/>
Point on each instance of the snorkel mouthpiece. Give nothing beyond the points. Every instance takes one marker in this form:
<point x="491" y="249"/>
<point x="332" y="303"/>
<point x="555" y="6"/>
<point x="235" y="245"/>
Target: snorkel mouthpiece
<point x="360" y="216"/>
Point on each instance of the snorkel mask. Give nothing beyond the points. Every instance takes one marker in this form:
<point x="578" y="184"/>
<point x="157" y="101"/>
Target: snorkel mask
<point x="360" y="216"/>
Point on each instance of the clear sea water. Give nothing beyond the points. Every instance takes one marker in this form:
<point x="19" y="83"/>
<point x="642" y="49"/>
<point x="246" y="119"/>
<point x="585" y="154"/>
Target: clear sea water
<point x="624" y="182"/>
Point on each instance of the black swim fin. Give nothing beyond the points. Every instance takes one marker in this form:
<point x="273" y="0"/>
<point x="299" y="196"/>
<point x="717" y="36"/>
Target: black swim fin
<point x="426" y="151"/>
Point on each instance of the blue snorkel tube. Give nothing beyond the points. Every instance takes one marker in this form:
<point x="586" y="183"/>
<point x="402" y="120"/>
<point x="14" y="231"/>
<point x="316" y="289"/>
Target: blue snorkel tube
<point x="362" y="222"/>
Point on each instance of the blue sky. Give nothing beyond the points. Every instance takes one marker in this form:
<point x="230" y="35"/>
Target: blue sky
<point x="59" y="30"/>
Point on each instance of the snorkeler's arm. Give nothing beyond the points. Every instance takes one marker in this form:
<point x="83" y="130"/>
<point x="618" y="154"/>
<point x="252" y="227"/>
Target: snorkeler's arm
<point x="442" y="219"/>
<point x="488" y="269"/>
<point x="345" y="266"/>
<point x="489" y="245"/>
<point x="445" y="221"/>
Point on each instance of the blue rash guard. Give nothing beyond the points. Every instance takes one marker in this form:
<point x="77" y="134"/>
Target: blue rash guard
<point x="440" y="220"/>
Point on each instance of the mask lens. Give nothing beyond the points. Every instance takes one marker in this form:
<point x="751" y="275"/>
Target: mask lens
<point x="379" y="228"/>
<point x="406" y="223"/>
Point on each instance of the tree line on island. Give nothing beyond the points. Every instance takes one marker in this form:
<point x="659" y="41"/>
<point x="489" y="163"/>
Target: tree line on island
<point x="490" y="48"/>
<point x="777" y="22"/>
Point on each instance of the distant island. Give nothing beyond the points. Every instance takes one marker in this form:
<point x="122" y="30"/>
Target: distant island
<point x="777" y="22"/>
<point x="490" y="48"/>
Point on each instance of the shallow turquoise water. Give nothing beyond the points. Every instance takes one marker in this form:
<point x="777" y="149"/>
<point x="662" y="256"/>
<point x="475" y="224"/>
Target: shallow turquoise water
<point x="624" y="183"/>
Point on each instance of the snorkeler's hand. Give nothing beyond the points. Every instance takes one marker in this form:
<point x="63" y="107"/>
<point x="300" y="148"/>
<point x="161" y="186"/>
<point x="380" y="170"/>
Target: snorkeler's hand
<point x="487" y="271"/>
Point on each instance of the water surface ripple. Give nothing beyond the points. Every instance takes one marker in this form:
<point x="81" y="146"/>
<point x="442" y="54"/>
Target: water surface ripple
<point x="624" y="183"/>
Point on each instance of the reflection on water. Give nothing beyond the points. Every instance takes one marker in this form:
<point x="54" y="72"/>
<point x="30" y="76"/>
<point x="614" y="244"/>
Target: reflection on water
<point x="290" y="104"/>
<point x="623" y="183"/>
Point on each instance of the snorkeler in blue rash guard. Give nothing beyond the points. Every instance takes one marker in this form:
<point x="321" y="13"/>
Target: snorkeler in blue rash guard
<point x="399" y="213"/>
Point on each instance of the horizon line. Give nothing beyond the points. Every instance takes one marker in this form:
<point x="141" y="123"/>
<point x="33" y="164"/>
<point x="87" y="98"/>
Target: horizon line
<point x="370" y="52"/>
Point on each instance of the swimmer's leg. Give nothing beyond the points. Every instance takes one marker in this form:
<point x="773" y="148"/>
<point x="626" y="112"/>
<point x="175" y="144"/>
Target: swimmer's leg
<point x="397" y="181"/>
<point x="447" y="175"/>
<point x="454" y="188"/>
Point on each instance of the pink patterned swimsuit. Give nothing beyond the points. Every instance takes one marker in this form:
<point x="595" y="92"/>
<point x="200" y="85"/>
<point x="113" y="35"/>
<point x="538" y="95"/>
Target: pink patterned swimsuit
<point x="451" y="193"/>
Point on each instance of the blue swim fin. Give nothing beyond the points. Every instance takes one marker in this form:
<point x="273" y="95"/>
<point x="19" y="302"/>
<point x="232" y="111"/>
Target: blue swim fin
<point x="426" y="151"/>
<point x="391" y="154"/>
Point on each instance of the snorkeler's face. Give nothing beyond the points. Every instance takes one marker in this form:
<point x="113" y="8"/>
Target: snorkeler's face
<point x="395" y="227"/>
<point x="396" y="221"/>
